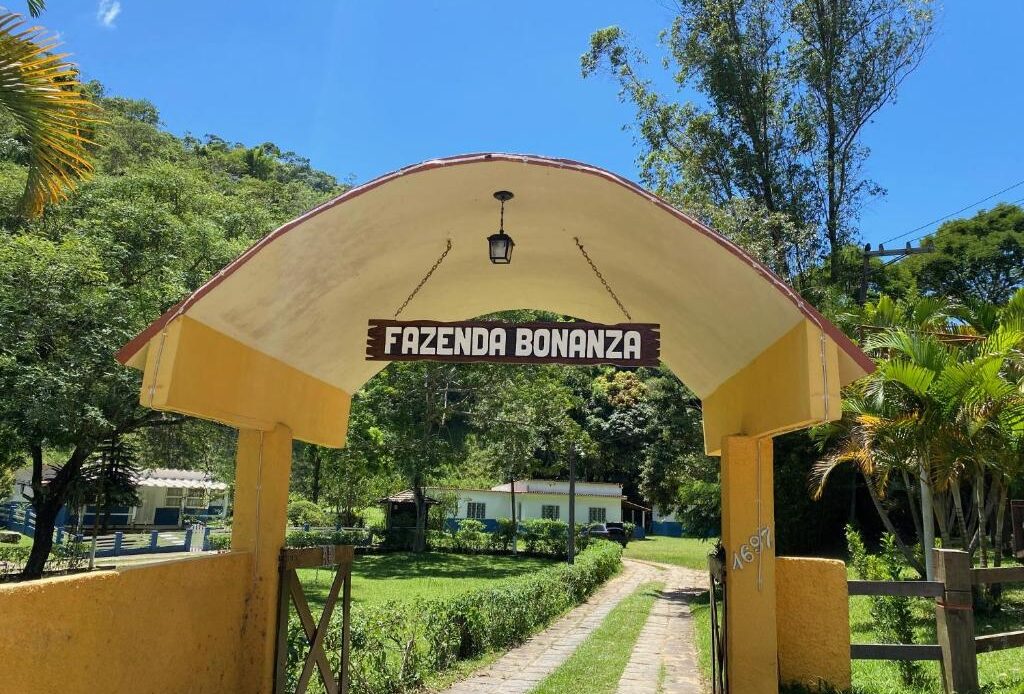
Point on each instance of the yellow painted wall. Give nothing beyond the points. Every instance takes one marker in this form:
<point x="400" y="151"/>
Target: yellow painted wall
<point x="167" y="628"/>
<point x="791" y="385"/>
<point x="197" y="371"/>
<point x="748" y="505"/>
<point x="813" y="621"/>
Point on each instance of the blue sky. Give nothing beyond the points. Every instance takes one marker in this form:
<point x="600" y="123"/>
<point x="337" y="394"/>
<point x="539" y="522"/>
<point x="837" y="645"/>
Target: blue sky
<point x="362" y="88"/>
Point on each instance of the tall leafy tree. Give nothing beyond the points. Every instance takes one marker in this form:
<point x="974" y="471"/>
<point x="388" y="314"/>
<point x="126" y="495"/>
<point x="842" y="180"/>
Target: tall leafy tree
<point x="156" y="221"/>
<point x="418" y="409"/>
<point x="782" y="91"/>
<point x="976" y="259"/>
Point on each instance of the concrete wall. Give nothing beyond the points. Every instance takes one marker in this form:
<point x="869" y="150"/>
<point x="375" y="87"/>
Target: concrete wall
<point x="813" y="621"/>
<point x="167" y="627"/>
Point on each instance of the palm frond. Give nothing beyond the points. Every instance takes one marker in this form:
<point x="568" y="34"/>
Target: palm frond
<point x="41" y="90"/>
<point x="36" y="7"/>
<point x="915" y="378"/>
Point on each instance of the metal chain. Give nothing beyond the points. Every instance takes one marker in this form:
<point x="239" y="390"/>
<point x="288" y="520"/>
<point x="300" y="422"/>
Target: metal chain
<point x="601" y="277"/>
<point x="424" y="280"/>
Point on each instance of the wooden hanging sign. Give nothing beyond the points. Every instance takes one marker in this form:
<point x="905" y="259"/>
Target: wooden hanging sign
<point x="622" y="344"/>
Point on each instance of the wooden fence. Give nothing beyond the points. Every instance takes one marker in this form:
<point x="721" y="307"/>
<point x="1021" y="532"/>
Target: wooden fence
<point x="958" y="646"/>
<point x="292" y="593"/>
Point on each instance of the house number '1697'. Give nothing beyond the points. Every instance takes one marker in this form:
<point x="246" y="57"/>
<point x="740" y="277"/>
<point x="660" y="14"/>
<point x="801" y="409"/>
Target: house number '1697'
<point x="746" y="553"/>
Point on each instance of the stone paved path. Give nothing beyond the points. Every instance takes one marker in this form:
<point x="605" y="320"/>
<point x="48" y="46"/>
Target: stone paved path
<point x="667" y="640"/>
<point x="523" y="668"/>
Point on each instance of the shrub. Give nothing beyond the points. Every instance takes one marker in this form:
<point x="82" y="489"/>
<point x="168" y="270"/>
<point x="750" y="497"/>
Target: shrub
<point x="305" y="512"/>
<point x="505" y="535"/>
<point x="630" y="530"/>
<point x="545" y="536"/>
<point x="316" y="538"/>
<point x="395" y="646"/>
<point x="892" y="617"/>
<point x="470" y="536"/>
<point x="220" y="542"/>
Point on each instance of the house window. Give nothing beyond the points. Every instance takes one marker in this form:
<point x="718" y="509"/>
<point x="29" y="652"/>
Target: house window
<point x="597" y="515"/>
<point x="550" y="512"/>
<point x="173" y="496"/>
<point x="476" y="510"/>
<point x="195" y="499"/>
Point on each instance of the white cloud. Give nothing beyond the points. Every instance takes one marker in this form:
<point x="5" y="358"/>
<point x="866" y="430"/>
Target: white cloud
<point x="107" y="12"/>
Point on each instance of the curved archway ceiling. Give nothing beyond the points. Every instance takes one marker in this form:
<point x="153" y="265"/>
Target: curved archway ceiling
<point x="304" y="294"/>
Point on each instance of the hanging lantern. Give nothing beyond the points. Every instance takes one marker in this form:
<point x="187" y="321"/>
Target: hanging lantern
<point x="500" y="245"/>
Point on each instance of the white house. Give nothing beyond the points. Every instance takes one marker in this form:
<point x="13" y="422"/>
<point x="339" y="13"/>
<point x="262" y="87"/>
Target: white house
<point x="596" y="502"/>
<point x="166" y="497"/>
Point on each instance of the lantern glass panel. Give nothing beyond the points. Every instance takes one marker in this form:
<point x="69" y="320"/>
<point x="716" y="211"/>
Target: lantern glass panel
<point x="500" y="248"/>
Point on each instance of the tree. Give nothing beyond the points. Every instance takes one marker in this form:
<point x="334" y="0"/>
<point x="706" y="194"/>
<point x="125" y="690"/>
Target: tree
<point x="416" y="407"/>
<point x="945" y="403"/>
<point x="83" y="278"/>
<point x="40" y="90"/>
<point x="784" y="91"/>
<point x="981" y="258"/>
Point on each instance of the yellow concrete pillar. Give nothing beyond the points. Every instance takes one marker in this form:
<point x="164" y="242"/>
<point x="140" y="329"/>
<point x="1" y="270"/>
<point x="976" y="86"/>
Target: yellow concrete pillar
<point x="262" y="471"/>
<point x="748" y="534"/>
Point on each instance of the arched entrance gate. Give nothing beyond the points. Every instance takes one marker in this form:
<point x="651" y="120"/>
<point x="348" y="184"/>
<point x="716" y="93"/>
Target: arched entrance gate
<point x="275" y="344"/>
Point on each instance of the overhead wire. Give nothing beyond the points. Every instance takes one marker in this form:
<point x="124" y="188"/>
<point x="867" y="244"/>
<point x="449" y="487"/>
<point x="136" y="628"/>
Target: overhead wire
<point x="951" y="214"/>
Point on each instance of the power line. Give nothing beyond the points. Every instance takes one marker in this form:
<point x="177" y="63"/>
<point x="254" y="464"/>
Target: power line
<point x="951" y="214"/>
<point x="1012" y="202"/>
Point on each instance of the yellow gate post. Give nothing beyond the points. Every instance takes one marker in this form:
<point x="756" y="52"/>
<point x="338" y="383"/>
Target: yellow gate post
<point x="263" y="467"/>
<point x="748" y="534"/>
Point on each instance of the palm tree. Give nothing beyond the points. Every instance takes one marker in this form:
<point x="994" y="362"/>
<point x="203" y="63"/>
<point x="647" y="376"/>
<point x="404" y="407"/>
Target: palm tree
<point x="40" y="89"/>
<point x="946" y="403"/>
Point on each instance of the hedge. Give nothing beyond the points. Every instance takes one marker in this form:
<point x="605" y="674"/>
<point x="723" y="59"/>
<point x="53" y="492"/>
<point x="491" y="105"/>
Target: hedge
<point x="397" y="645"/>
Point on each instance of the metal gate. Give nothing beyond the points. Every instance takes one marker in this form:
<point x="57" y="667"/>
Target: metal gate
<point x="719" y="650"/>
<point x="291" y="592"/>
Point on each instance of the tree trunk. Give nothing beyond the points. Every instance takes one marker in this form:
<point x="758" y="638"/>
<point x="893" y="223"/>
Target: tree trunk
<point x="515" y="527"/>
<point x="912" y="559"/>
<point x="912" y="499"/>
<point x="46" y="521"/>
<point x="928" y="521"/>
<point x="315" y="491"/>
<point x="942" y="516"/>
<point x="961" y="519"/>
<point x="979" y="501"/>
<point x="419" y="540"/>
<point x="47" y="501"/>
<point x="997" y="559"/>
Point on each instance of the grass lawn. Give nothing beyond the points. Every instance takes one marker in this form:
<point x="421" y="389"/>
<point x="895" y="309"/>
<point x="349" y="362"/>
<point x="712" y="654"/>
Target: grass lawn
<point x="407" y="576"/>
<point x="690" y="552"/>
<point x="597" y="665"/>
<point x="1001" y="672"/>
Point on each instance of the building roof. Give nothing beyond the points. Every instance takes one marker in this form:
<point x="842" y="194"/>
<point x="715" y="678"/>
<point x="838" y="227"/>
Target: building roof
<point x="562" y="487"/>
<point x="186" y="479"/>
<point x="405" y="496"/>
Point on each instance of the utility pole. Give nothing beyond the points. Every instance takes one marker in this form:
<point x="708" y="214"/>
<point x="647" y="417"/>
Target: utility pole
<point x="572" y="504"/>
<point x="862" y="295"/>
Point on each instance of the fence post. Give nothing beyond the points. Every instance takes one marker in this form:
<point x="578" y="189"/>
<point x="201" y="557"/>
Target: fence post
<point x="206" y="538"/>
<point x="118" y="536"/>
<point x="154" y="538"/>
<point x="188" y="540"/>
<point x="954" y="618"/>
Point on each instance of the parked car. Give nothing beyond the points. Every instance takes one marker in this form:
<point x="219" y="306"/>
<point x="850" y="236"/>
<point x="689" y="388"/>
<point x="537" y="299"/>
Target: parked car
<point x="616" y="532"/>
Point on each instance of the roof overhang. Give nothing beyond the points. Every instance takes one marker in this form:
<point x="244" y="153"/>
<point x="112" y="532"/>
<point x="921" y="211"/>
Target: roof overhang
<point x="279" y="335"/>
